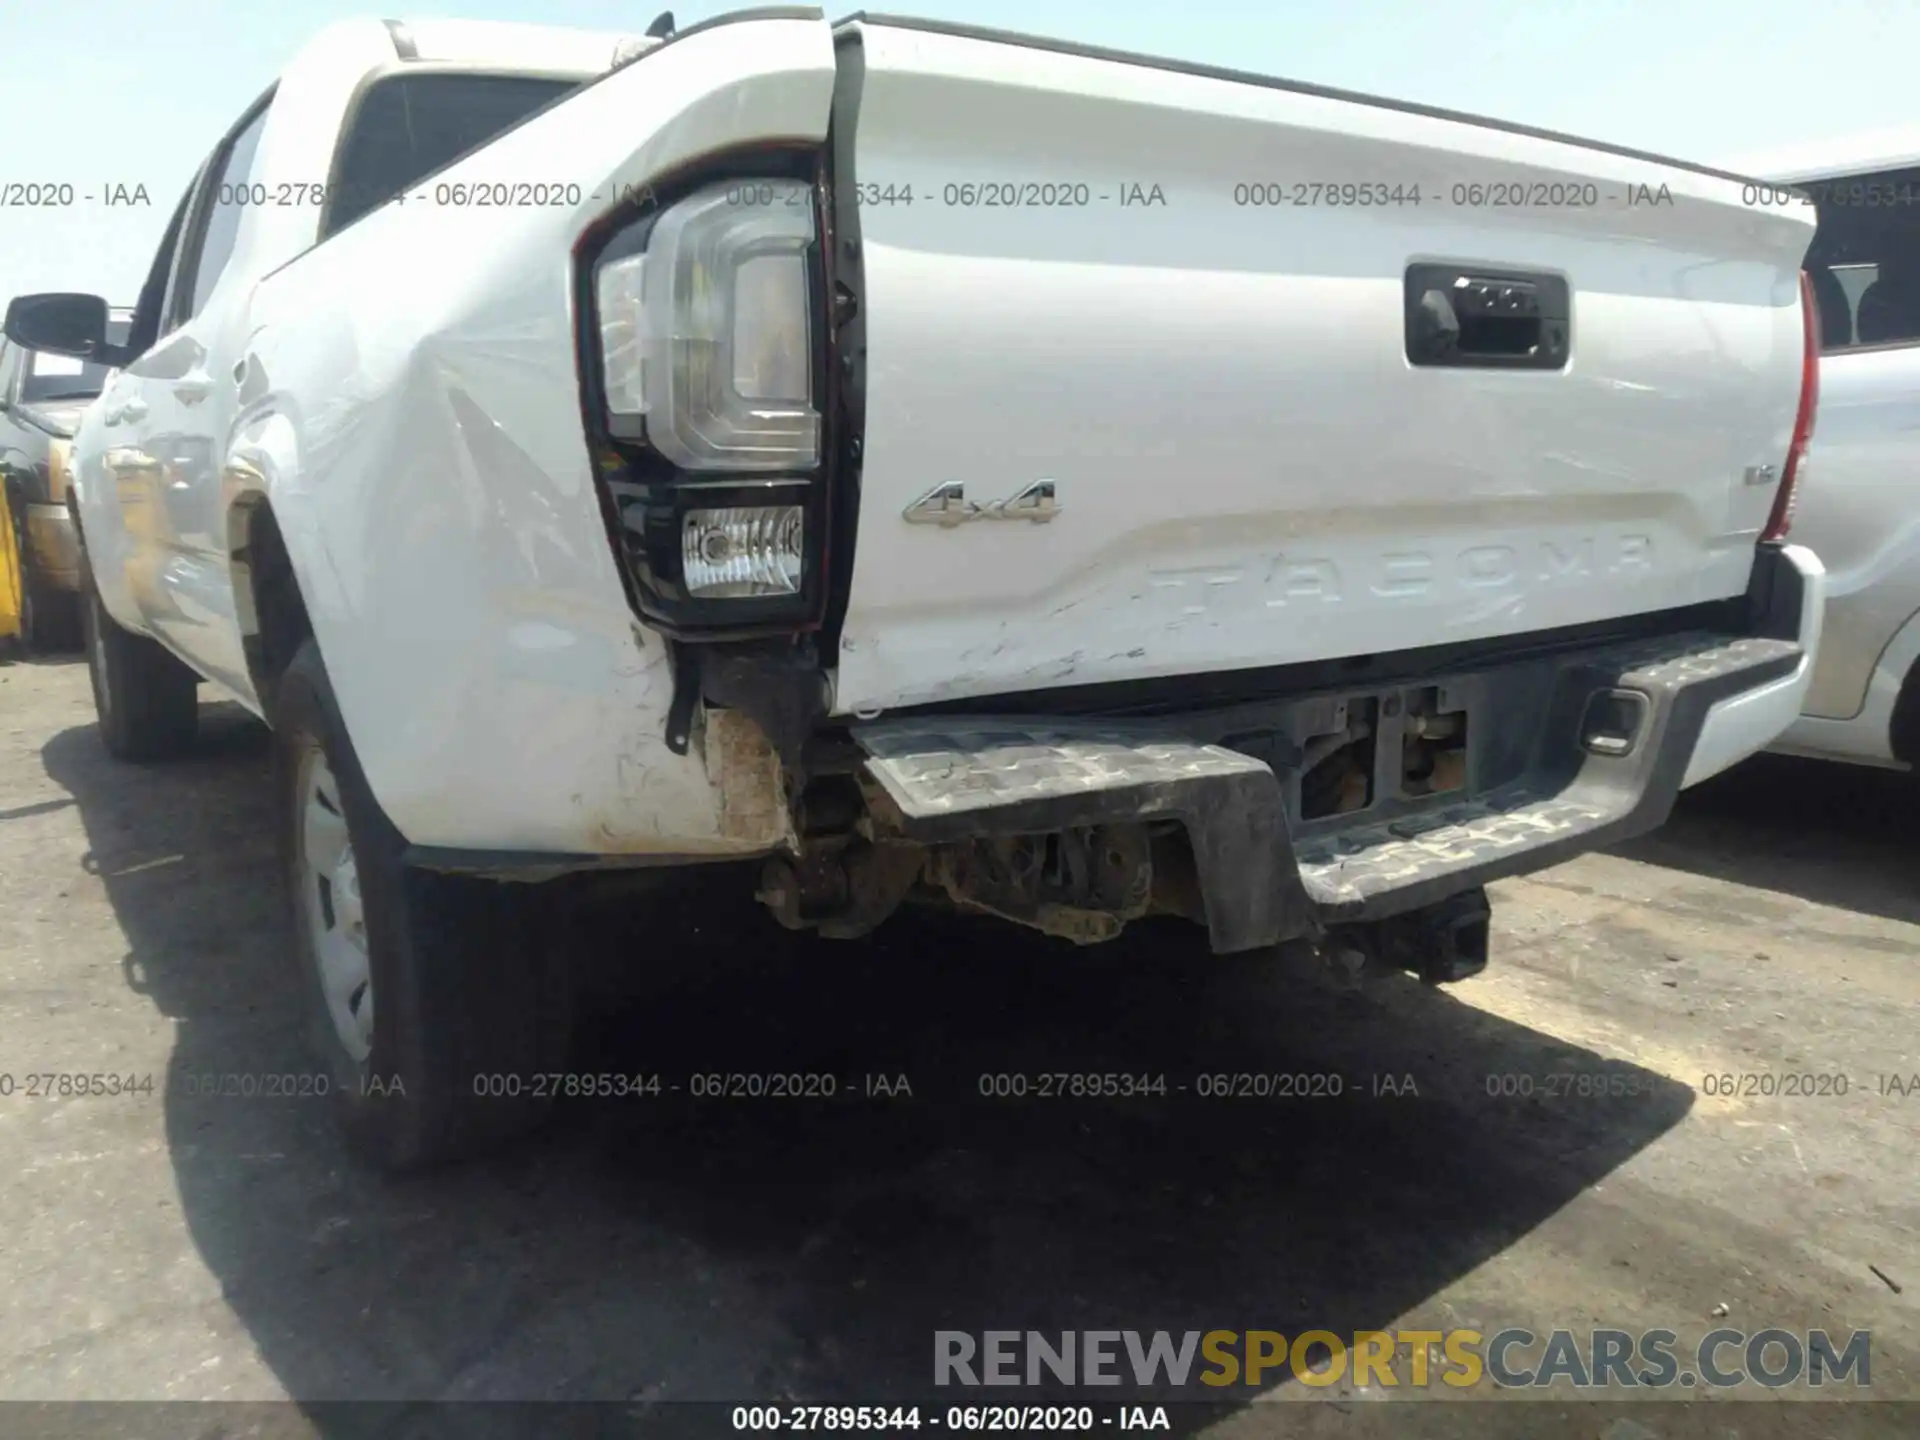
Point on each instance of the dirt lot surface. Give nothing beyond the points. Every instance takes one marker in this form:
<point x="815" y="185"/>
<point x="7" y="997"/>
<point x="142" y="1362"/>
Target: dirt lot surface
<point x="166" y="1244"/>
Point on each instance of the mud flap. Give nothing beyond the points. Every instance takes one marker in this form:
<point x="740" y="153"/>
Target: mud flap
<point x="958" y="779"/>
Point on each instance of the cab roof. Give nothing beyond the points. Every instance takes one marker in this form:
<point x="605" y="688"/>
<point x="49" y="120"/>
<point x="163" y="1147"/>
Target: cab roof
<point x="507" y="45"/>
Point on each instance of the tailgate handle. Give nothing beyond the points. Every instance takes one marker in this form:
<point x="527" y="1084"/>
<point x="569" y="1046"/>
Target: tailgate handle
<point x="1489" y="319"/>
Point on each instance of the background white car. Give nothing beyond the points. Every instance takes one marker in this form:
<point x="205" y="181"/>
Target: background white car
<point x="1858" y="505"/>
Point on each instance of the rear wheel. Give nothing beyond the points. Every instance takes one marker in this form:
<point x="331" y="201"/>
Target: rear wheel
<point x="1903" y="735"/>
<point x="434" y="1003"/>
<point x="147" y="700"/>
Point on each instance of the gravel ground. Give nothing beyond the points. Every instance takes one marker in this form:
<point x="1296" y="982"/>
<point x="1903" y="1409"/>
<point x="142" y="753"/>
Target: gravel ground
<point x="167" y="1245"/>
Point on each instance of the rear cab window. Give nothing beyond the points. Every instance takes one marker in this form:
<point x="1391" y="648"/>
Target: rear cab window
<point x="405" y="128"/>
<point x="1865" y="258"/>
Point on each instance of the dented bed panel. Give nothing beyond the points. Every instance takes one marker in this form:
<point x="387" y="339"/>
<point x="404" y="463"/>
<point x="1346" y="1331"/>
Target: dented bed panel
<point x="417" y="428"/>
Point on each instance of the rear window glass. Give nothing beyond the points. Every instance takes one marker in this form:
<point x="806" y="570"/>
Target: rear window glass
<point x="406" y="127"/>
<point x="51" y="378"/>
<point x="1865" y="258"/>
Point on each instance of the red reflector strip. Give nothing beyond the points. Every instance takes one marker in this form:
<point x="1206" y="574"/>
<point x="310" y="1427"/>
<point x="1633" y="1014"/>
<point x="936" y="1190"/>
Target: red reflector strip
<point x="1781" y="520"/>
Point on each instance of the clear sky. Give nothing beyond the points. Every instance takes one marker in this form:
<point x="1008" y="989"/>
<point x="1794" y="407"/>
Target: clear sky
<point x="135" y="92"/>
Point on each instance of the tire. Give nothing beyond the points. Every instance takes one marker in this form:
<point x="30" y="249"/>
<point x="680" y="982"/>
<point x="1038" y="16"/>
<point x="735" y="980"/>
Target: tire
<point x="147" y="700"/>
<point x="1903" y="733"/>
<point x="469" y="984"/>
<point x="50" y="623"/>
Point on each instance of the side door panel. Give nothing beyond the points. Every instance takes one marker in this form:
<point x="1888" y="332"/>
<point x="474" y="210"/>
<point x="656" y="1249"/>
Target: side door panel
<point x="178" y="467"/>
<point x="1857" y="514"/>
<point x="132" y="543"/>
<point x="187" y="385"/>
<point x="124" y="513"/>
<point x="1856" y="506"/>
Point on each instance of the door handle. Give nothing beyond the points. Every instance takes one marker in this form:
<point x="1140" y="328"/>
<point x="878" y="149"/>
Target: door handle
<point x="133" y="410"/>
<point x="194" y="387"/>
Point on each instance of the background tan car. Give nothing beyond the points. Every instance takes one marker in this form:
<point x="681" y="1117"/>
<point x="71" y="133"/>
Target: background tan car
<point x="41" y="397"/>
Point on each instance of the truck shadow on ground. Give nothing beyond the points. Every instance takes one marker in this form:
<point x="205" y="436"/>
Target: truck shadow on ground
<point x="1841" y="835"/>
<point x="14" y="657"/>
<point x="665" y="1249"/>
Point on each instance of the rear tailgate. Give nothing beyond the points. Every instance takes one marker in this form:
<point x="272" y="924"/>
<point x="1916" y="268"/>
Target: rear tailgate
<point x="1181" y="299"/>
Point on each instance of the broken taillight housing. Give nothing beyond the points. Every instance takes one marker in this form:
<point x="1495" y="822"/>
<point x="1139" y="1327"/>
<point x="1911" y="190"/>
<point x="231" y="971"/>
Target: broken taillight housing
<point x="711" y="337"/>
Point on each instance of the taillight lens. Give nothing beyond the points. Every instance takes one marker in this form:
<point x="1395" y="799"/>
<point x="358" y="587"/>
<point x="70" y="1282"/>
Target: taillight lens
<point x="712" y="406"/>
<point x="1781" y="520"/>
<point x="706" y="334"/>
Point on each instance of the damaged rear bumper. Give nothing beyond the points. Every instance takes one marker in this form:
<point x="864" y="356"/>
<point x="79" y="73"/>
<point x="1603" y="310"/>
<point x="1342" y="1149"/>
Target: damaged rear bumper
<point x="1549" y="780"/>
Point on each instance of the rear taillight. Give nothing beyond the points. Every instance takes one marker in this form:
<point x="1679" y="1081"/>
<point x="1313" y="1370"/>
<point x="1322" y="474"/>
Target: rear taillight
<point x="1781" y="520"/>
<point x="710" y="406"/>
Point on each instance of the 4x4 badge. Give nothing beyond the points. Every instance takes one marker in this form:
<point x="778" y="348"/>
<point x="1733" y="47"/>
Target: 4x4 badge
<point x="947" y="504"/>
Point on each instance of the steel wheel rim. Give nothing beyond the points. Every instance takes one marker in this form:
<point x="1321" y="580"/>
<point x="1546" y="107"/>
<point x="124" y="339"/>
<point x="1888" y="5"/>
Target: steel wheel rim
<point x="330" y="906"/>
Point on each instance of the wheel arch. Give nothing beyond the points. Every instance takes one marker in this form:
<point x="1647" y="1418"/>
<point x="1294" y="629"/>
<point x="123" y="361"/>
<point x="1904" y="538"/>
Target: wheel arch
<point x="268" y="603"/>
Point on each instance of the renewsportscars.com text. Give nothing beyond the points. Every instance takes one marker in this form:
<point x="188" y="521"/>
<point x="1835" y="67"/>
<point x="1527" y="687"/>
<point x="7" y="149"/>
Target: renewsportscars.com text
<point x="1413" y="1359"/>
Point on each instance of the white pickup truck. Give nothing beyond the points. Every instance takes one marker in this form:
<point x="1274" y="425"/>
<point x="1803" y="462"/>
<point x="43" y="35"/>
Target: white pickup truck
<point x="926" y="464"/>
